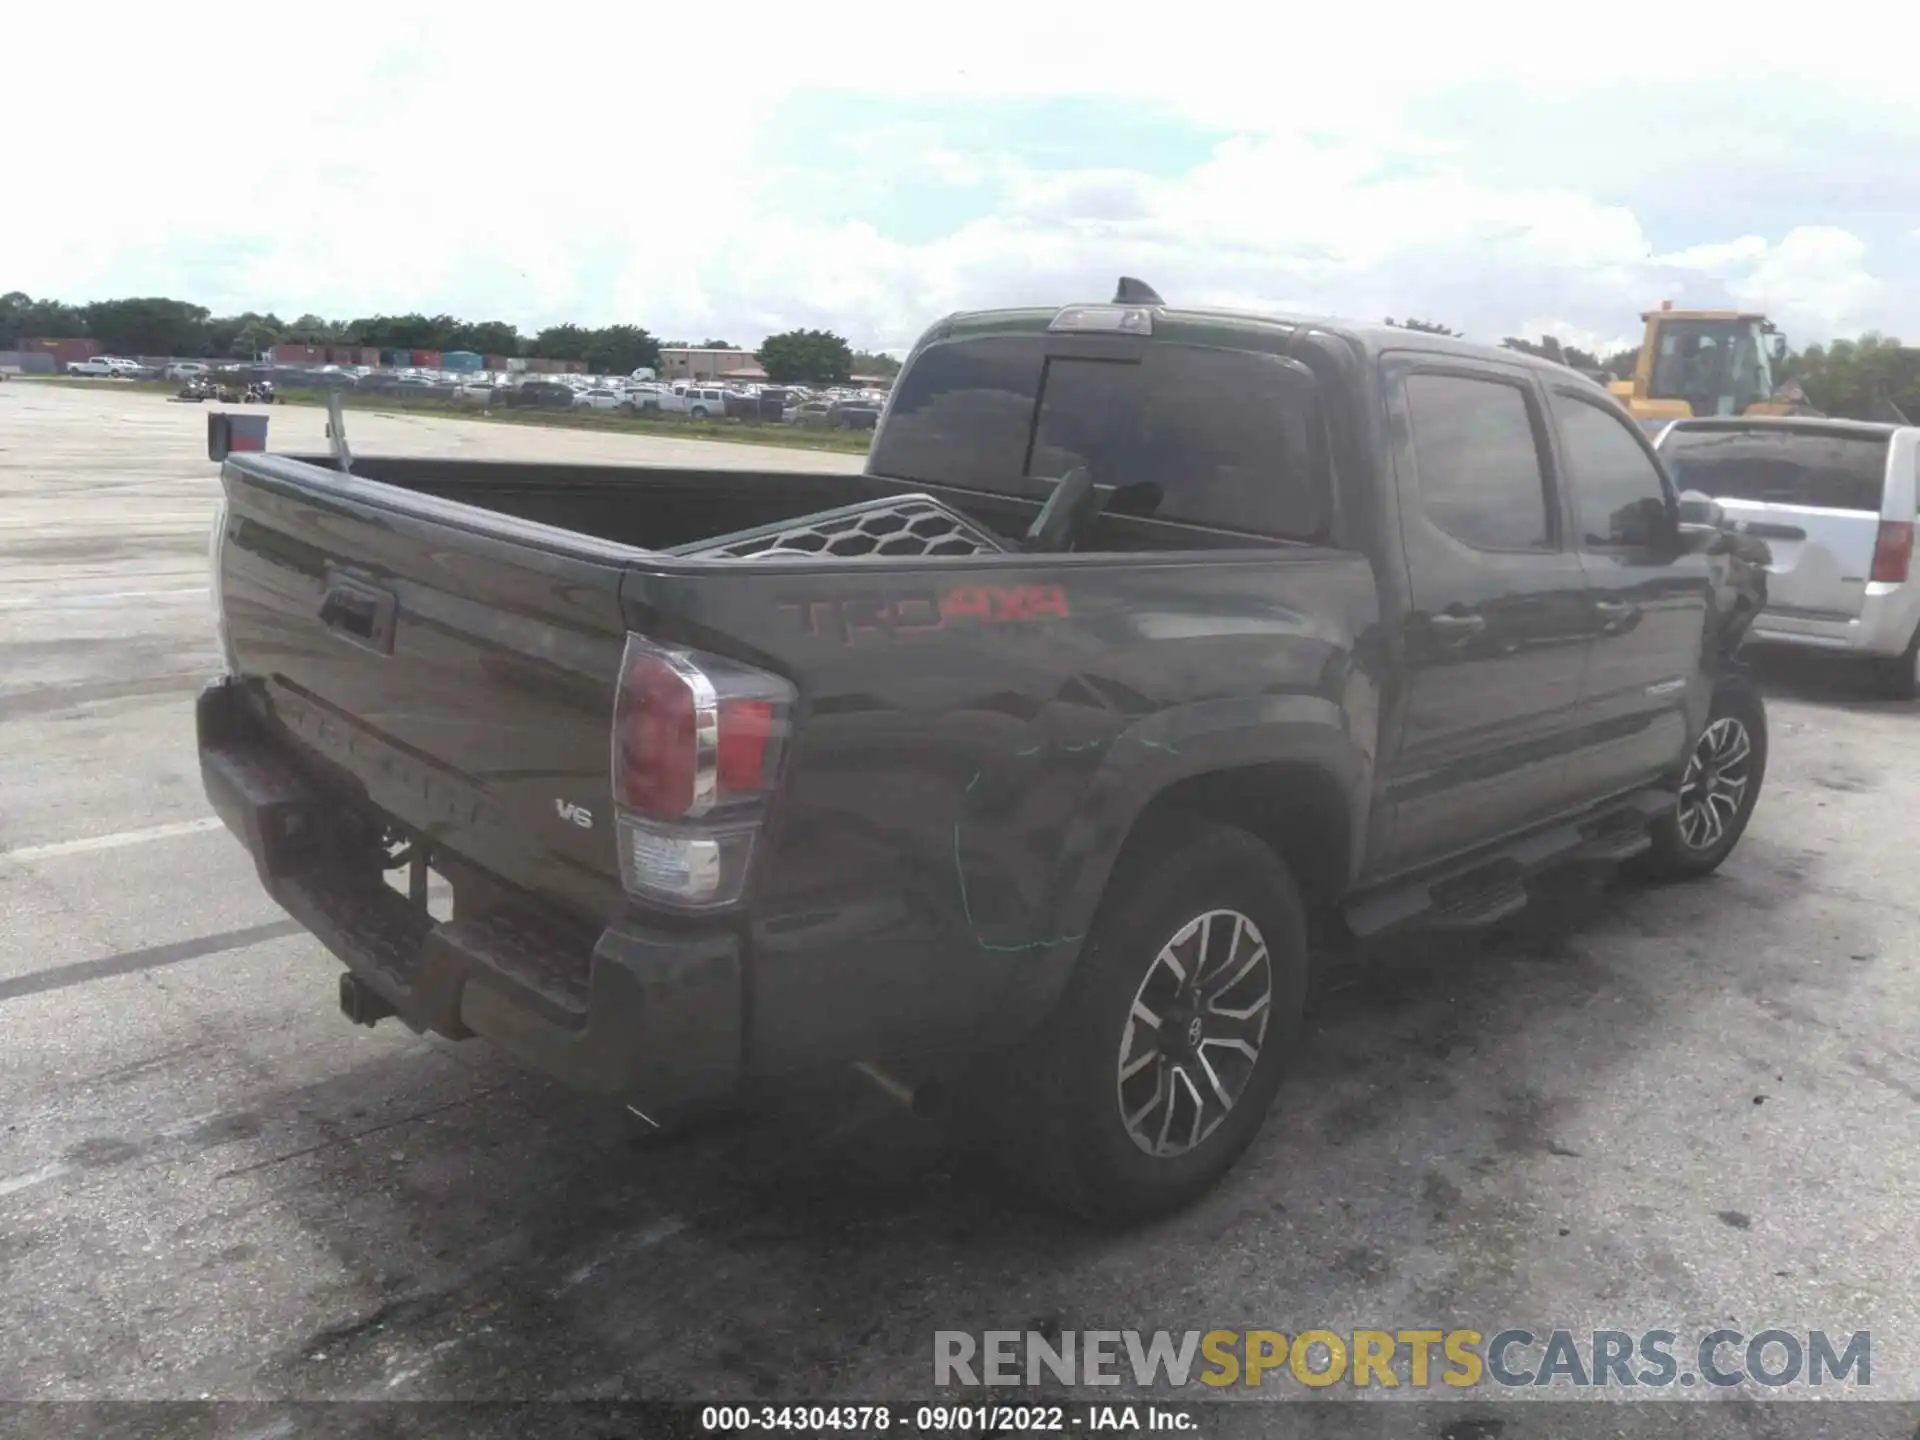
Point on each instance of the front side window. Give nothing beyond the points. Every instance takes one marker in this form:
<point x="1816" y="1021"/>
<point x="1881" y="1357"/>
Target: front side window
<point x="1619" y="498"/>
<point x="1477" y="456"/>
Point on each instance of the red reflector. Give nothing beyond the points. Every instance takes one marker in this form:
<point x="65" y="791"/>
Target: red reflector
<point x="1892" y="551"/>
<point x="745" y="726"/>
<point x="655" y="738"/>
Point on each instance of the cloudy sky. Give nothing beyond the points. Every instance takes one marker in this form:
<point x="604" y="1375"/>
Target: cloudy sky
<point x="727" y="171"/>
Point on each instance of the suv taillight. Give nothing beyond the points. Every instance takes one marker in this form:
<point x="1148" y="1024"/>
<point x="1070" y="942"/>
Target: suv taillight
<point x="1892" y="551"/>
<point x="698" y="741"/>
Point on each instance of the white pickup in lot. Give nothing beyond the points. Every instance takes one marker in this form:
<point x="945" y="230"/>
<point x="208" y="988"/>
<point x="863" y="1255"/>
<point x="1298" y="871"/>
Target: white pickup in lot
<point x="697" y="401"/>
<point x="104" y="365"/>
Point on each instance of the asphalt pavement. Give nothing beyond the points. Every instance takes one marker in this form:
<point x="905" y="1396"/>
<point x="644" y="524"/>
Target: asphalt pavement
<point x="1680" y="1108"/>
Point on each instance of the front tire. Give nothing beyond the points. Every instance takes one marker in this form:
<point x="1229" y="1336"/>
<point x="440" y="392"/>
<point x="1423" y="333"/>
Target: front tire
<point x="1718" y="789"/>
<point x="1154" y="1071"/>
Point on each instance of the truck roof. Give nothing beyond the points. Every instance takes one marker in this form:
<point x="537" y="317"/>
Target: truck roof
<point x="1200" y="325"/>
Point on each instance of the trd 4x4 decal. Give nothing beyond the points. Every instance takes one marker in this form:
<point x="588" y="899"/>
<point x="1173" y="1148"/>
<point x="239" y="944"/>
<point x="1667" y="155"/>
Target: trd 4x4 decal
<point x="852" y="617"/>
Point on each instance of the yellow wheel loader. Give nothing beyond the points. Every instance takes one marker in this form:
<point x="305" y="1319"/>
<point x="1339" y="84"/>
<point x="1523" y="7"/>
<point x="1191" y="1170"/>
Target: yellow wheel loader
<point x="1707" y="362"/>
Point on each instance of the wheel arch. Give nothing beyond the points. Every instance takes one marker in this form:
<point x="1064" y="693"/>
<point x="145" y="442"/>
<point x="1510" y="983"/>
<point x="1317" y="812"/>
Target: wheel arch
<point x="1308" y="807"/>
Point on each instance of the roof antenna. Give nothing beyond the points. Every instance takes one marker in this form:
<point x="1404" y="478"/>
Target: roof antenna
<point x="1135" y="292"/>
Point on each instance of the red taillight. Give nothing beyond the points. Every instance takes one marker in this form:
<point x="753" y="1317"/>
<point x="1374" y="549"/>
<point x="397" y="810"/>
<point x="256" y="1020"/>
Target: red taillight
<point x="697" y="746"/>
<point x="746" y="727"/>
<point x="1892" y="551"/>
<point x="656" y="741"/>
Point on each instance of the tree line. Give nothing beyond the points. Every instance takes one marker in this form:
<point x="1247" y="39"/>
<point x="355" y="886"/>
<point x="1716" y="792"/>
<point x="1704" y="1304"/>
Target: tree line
<point x="1848" y="379"/>
<point x="154" y="325"/>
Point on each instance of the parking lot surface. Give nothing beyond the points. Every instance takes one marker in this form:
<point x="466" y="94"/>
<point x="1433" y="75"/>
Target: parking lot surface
<point x="1678" y="1108"/>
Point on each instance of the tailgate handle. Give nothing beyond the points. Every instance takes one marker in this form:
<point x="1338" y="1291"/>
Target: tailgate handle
<point x="1767" y="530"/>
<point x="359" y="614"/>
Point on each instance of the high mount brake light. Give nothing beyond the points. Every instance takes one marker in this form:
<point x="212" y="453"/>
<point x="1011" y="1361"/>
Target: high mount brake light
<point x="1105" y="319"/>
<point x="698" y="741"/>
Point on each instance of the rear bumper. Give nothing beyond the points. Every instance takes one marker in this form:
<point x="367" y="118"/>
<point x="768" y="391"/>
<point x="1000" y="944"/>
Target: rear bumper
<point x="1884" y="626"/>
<point x="648" y="1015"/>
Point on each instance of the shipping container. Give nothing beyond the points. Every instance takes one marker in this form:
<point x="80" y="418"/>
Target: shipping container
<point x="426" y="359"/>
<point x="64" y="352"/>
<point x="462" y="362"/>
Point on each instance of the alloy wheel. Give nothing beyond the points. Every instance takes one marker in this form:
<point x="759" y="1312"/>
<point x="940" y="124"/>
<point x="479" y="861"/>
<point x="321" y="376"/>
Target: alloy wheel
<point x="1193" y="1035"/>
<point x="1715" y="783"/>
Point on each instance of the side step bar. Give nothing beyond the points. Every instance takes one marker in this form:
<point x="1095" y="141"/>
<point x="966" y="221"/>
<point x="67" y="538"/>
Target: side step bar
<point x="1492" y="885"/>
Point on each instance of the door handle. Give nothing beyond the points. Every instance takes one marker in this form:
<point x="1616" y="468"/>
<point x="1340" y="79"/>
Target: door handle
<point x="1457" y="629"/>
<point x="1614" y="614"/>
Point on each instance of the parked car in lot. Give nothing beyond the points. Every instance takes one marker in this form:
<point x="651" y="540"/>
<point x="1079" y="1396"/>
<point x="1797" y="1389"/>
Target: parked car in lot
<point x="600" y="398"/>
<point x="1836" y="502"/>
<point x="187" y="369"/>
<point x="853" y="415"/>
<point x="1019" y="767"/>
<point x="810" y="413"/>
<point x="101" y="366"/>
<point x="541" y="394"/>
<point x="475" y="392"/>
<point x="698" y="402"/>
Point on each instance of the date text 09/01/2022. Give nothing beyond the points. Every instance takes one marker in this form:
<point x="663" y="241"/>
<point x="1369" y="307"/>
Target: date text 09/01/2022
<point x="941" y="1419"/>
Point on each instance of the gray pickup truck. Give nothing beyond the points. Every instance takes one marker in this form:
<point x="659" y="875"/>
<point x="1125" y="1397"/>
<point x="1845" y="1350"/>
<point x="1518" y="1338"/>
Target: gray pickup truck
<point x="1019" y="767"/>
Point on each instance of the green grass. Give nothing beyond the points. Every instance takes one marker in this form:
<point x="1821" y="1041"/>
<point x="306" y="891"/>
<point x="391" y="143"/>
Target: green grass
<point x="732" y="432"/>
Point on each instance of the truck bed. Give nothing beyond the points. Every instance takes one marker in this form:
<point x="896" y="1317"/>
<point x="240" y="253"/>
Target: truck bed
<point x="437" y="646"/>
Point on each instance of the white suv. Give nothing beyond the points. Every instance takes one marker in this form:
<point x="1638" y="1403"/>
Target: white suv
<point x="1836" y="502"/>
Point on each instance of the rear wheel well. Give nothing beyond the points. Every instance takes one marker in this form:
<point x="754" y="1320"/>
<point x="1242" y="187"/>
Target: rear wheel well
<point x="1298" y="810"/>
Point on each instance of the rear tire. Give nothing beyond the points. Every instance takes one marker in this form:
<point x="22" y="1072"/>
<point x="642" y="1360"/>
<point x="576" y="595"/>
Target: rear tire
<point x="1718" y="790"/>
<point x="1897" y="677"/>
<point x="1114" y="1119"/>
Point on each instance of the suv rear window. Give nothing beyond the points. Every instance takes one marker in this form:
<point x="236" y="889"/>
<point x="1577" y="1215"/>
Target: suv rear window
<point x="1230" y="438"/>
<point x="1829" y="469"/>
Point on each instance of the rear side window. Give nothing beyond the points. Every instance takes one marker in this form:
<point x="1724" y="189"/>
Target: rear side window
<point x="1228" y="439"/>
<point x="1827" y="469"/>
<point x="1618" y="497"/>
<point x="1478" y="459"/>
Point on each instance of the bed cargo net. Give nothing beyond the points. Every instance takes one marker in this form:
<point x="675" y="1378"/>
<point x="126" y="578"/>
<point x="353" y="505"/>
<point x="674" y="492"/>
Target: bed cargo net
<point x="896" y="526"/>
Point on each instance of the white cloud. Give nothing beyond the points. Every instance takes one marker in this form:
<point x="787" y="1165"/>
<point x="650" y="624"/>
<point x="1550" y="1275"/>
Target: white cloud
<point x="391" y="158"/>
<point x="1816" y="272"/>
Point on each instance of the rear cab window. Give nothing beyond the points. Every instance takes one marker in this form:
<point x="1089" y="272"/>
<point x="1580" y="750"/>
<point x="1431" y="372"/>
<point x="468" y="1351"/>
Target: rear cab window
<point x="1780" y="465"/>
<point x="1227" y="439"/>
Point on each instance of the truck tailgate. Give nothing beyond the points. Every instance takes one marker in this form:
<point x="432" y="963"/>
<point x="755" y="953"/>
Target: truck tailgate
<point x="455" y="665"/>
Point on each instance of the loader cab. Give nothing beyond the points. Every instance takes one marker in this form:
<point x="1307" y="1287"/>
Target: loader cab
<point x="1698" y="363"/>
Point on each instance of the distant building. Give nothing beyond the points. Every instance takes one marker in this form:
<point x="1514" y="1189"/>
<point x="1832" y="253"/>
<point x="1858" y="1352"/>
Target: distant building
<point x="692" y="364"/>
